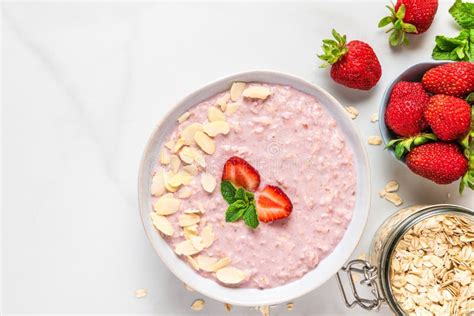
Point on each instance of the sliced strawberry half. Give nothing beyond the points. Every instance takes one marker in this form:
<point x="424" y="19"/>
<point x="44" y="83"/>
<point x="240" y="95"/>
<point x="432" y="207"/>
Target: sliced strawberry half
<point x="273" y="204"/>
<point x="241" y="174"/>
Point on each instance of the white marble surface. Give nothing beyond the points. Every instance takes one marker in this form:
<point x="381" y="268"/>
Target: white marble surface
<point x="84" y="84"/>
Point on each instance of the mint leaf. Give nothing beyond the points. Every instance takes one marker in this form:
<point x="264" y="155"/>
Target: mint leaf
<point x="251" y="196"/>
<point x="235" y="211"/>
<point x="240" y="195"/>
<point x="455" y="48"/>
<point x="463" y="13"/>
<point x="228" y="192"/>
<point x="250" y="216"/>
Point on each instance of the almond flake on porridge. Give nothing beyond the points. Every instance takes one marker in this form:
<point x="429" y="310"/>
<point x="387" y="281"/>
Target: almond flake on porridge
<point x="188" y="219"/>
<point x="206" y="143"/>
<point x="215" y="128"/>
<point x="208" y="182"/>
<point x="184" y="117"/>
<point x="162" y="224"/>
<point x="257" y="92"/>
<point x="236" y="90"/>
<point x="230" y="275"/>
<point x="215" y="115"/>
<point x="185" y="248"/>
<point x="232" y="108"/>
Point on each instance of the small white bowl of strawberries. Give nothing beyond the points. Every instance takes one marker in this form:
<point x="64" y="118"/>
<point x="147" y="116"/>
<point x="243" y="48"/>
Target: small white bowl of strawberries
<point x="427" y="121"/>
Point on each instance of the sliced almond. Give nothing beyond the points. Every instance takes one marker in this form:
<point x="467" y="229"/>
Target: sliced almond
<point x="208" y="182"/>
<point x="206" y="143"/>
<point x="140" y="293"/>
<point x="205" y="263"/>
<point x="185" y="248"/>
<point x="290" y="306"/>
<point x="197" y="305"/>
<point x="214" y="114"/>
<point x="257" y="92"/>
<point x="184" y="117"/>
<point x="236" y="90"/>
<point x="232" y="108"/>
<point x="186" y="155"/>
<point x="191" y="169"/>
<point x="375" y="140"/>
<point x="353" y="113"/>
<point x="169" y="144"/>
<point x="215" y="128"/>
<point x="200" y="160"/>
<point x="190" y="231"/>
<point x="157" y="184"/>
<point x="228" y="307"/>
<point x="162" y="224"/>
<point x="197" y="242"/>
<point x="394" y="198"/>
<point x="374" y="117"/>
<point x="188" y="133"/>
<point x="207" y="235"/>
<point x="192" y="262"/>
<point x="175" y="163"/>
<point x="222" y="102"/>
<point x="184" y="193"/>
<point x="392" y="186"/>
<point x="221" y="263"/>
<point x="179" y="143"/>
<point x="230" y="275"/>
<point x="164" y="157"/>
<point x="192" y="211"/>
<point x="188" y="219"/>
<point x="166" y="177"/>
<point x="180" y="178"/>
<point x="166" y="205"/>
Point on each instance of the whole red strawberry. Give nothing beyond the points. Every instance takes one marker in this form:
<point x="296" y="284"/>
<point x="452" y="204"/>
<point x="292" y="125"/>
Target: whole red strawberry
<point x="409" y="16"/>
<point x="404" y="113"/>
<point x="449" y="117"/>
<point x="440" y="162"/>
<point x="456" y="79"/>
<point x="354" y="64"/>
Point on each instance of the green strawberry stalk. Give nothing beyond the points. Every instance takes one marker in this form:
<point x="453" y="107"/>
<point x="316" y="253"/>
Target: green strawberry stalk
<point x="399" y="28"/>
<point x="468" y="145"/>
<point x="403" y="145"/>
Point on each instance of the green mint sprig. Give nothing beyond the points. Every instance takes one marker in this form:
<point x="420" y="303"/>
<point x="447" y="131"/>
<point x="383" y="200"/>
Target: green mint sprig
<point x="461" y="47"/>
<point x="241" y="205"/>
<point x="468" y="145"/>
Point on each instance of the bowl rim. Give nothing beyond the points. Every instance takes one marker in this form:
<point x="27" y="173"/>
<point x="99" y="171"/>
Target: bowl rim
<point x="282" y="293"/>
<point x="385" y="132"/>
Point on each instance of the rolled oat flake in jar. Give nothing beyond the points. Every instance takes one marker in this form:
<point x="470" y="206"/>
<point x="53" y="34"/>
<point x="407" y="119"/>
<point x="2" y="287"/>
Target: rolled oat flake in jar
<point x="421" y="262"/>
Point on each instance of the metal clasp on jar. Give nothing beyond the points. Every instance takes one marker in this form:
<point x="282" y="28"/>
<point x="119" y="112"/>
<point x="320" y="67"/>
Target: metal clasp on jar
<point x="369" y="279"/>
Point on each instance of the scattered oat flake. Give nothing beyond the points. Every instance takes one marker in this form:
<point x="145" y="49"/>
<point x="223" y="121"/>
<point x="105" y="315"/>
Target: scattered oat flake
<point x="187" y="287"/>
<point x="264" y="310"/>
<point x="394" y="198"/>
<point x="375" y="140"/>
<point x="374" y="117"/>
<point x="141" y="293"/>
<point x="353" y="113"/>
<point x="228" y="307"/>
<point x="392" y="186"/>
<point x="198" y="305"/>
<point x="290" y="306"/>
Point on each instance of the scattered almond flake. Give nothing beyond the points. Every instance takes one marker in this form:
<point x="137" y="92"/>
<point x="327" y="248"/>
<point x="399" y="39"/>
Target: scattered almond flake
<point x="375" y="140"/>
<point x="392" y="186"/>
<point x="206" y="263"/>
<point x="162" y="224"/>
<point x="228" y="307"/>
<point x="215" y="128"/>
<point x="353" y="113"/>
<point x="192" y="262"/>
<point x="175" y="163"/>
<point x="169" y="145"/>
<point x="188" y="219"/>
<point x="141" y="293"/>
<point x="205" y="143"/>
<point x="185" y="248"/>
<point x="215" y="115"/>
<point x="232" y="108"/>
<point x="166" y="205"/>
<point x="236" y="90"/>
<point x="184" y="193"/>
<point x="221" y="263"/>
<point x="207" y="234"/>
<point x="290" y="306"/>
<point x="187" y="287"/>
<point x="188" y="133"/>
<point x="164" y="157"/>
<point x="394" y="198"/>
<point x="264" y="310"/>
<point x="157" y="185"/>
<point x="374" y="117"/>
<point x="197" y="305"/>
<point x="382" y="193"/>
<point x="230" y="275"/>
<point x="197" y="243"/>
<point x="208" y="182"/>
<point x="184" y="117"/>
<point x="177" y="146"/>
<point x="257" y="92"/>
<point x="191" y="169"/>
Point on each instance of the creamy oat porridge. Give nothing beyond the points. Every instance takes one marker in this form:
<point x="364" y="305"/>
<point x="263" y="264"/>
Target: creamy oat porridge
<point x="297" y="180"/>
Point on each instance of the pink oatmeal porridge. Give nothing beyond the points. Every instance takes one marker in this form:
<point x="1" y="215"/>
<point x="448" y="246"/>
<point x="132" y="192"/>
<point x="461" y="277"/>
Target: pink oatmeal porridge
<point x="295" y="145"/>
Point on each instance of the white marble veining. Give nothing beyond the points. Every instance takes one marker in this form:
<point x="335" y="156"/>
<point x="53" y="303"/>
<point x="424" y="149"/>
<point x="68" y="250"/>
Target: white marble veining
<point x="83" y="86"/>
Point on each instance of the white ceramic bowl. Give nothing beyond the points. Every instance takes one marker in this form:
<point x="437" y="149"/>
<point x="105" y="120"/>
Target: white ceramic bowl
<point x="327" y="267"/>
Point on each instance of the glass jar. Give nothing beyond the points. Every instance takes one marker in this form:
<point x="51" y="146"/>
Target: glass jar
<point x="375" y="271"/>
